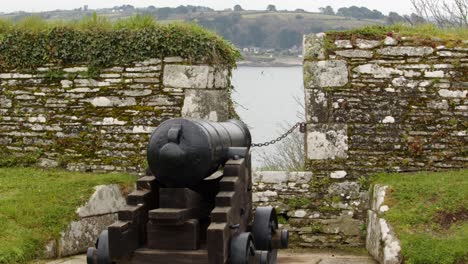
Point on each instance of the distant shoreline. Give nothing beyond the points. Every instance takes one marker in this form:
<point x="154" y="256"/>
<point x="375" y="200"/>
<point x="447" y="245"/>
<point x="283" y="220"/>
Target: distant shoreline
<point x="274" y="62"/>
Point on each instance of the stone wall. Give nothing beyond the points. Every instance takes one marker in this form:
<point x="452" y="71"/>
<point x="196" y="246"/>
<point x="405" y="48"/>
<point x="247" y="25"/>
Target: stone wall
<point x="62" y="116"/>
<point x="394" y="104"/>
<point x="290" y="193"/>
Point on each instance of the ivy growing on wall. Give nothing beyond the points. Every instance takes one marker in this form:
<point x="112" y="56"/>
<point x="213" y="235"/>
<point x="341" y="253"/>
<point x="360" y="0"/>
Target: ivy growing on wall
<point x="99" y="43"/>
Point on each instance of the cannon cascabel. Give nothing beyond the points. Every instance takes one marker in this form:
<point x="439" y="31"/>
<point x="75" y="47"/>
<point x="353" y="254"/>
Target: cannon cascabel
<point x="183" y="152"/>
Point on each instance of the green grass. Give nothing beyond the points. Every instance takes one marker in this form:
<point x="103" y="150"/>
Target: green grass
<point x="36" y="205"/>
<point x="427" y="31"/>
<point x="416" y="202"/>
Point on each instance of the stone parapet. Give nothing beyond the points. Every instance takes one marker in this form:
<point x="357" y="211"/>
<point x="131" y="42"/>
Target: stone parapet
<point x="71" y="117"/>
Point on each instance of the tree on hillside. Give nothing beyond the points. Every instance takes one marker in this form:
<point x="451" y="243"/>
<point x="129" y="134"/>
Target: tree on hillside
<point x="443" y="13"/>
<point x="415" y="19"/>
<point x="328" y="10"/>
<point x="360" y="13"/>
<point x="288" y="38"/>
<point x="238" y="8"/>
<point x="394" y="18"/>
<point x="257" y="35"/>
<point x="271" y="8"/>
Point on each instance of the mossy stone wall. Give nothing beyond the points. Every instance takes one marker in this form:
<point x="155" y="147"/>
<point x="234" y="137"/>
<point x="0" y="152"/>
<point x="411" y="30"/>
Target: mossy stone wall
<point x="60" y="115"/>
<point x="374" y="104"/>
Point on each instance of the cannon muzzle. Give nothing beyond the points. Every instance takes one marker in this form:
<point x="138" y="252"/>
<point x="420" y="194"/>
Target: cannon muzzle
<point x="183" y="152"/>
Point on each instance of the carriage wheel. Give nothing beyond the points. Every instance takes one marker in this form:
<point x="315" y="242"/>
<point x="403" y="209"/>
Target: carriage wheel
<point x="264" y="226"/>
<point x="242" y="249"/>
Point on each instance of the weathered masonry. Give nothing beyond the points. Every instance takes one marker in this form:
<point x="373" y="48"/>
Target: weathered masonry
<point x="72" y="115"/>
<point x="375" y="105"/>
<point x="103" y="123"/>
<point x="394" y="104"/>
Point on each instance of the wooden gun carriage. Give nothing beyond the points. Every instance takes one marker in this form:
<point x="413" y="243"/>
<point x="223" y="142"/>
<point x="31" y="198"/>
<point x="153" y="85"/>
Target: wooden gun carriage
<point x="191" y="211"/>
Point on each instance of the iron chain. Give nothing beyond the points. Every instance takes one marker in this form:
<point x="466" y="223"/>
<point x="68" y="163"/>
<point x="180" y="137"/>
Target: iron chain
<point x="271" y="142"/>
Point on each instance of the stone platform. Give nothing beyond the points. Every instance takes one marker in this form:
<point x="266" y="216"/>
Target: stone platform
<point x="285" y="257"/>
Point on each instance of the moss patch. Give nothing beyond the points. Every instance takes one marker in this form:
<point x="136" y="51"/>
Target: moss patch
<point x="421" y="32"/>
<point x="36" y="205"/>
<point x="422" y="207"/>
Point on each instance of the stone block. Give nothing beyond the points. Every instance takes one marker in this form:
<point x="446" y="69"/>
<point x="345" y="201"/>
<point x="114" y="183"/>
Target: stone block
<point x="355" y="53"/>
<point x="343" y="44"/>
<point x="378" y="196"/>
<point x="314" y="47"/>
<point x="271" y="176"/>
<point x="66" y="83"/>
<point x="316" y="106"/>
<point x="184" y="76"/>
<point x="434" y="74"/>
<point x="143" y="69"/>
<point x="107" y="199"/>
<point x="218" y="79"/>
<point x="367" y="44"/>
<point x="453" y="93"/>
<point x="75" y="69"/>
<point x="300" y="177"/>
<point x="381" y="241"/>
<point x="406" y="51"/>
<point x="344" y="224"/>
<point x="276" y="177"/>
<point x="5" y="102"/>
<point x="82" y="234"/>
<point x="347" y="189"/>
<point x="446" y="53"/>
<point x="137" y="93"/>
<point x="83" y="90"/>
<point x="376" y="70"/>
<point x="389" y="41"/>
<point x="111" y="101"/>
<point x="173" y="59"/>
<point x="47" y="163"/>
<point x="439" y="105"/>
<point x="110" y="121"/>
<point x="338" y="174"/>
<point x="322" y="74"/>
<point x="373" y="235"/>
<point x="327" y="141"/>
<point x="110" y="75"/>
<point x="142" y="129"/>
<point x="206" y="104"/>
<point x="90" y="83"/>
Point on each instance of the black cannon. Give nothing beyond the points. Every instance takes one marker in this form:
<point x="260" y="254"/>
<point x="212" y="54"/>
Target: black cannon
<point x="184" y="152"/>
<point x="196" y="206"/>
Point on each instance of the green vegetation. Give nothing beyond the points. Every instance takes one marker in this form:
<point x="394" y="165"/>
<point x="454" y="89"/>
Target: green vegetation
<point x="8" y="159"/>
<point x="97" y="42"/>
<point x="298" y="202"/>
<point x="36" y="205"/>
<point x="429" y="212"/>
<point x="425" y="31"/>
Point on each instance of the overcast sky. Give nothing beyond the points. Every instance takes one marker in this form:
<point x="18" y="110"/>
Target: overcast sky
<point x="400" y="6"/>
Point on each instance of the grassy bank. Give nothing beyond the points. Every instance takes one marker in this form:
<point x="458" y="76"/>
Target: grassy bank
<point x="99" y="43"/>
<point x="36" y="204"/>
<point x="429" y="212"/>
<point x="420" y="32"/>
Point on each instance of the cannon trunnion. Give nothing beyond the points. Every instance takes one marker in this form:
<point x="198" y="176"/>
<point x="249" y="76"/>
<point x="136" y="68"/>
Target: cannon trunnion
<point x="190" y="211"/>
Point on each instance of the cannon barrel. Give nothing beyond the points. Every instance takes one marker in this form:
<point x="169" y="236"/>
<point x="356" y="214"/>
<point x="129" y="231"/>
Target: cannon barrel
<point x="183" y="152"/>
